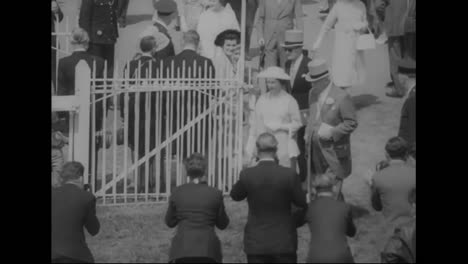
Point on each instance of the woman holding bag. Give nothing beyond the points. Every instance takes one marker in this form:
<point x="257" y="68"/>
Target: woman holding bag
<point x="349" y="18"/>
<point x="277" y="112"/>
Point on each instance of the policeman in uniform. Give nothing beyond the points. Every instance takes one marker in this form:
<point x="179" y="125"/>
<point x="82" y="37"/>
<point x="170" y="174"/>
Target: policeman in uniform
<point x="99" y="19"/>
<point x="167" y="13"/>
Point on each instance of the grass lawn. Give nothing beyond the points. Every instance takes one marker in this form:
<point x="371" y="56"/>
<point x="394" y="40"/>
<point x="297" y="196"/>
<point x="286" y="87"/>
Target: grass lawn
<point x="138" y="233"/>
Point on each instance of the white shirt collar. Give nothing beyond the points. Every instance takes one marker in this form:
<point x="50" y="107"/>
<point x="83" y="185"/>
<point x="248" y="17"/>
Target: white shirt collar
<point x="79" y="49"/>
<point x="266" y="159"/>
<point x="146" y="54"/>
<point x="295" y="68"/>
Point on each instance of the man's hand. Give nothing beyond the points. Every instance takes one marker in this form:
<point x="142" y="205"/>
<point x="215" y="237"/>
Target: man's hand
<point x="54" y="7"/>
<point x="261" y="42"/>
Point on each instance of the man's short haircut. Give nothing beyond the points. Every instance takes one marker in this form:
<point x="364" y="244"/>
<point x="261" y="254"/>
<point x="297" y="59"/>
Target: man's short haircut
<point x="191" y="37"/>
<point x="397" y="148"/>
<point x="147" y="43"/>
<point x="72" y="170"/>
<point x="79" y="36"/>
<point x="324" y="181"/>
<point x="195" y="165"/>
<point x="267" y="143"/>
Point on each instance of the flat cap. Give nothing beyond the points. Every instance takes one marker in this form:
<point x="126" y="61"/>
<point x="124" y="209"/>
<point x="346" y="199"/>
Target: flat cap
<point x="165" y="6"/>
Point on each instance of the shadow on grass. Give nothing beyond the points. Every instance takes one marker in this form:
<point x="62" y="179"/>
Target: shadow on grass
<point x="134" y="19"/>
<point x="364" y="100"/>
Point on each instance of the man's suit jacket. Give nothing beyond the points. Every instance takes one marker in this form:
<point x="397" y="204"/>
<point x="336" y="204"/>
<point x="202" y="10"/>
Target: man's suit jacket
<point x="271" y="190"/>
<point x="408" y="119"/>
<point x="341" y="115"/>
<point x="301" y="87"/>
<point x="66" y="70"/>
<point x="72" y="209"/>
<point x="99" y="19"/>
<point x="330" y="221"/>
<point x="390" y="189"/>
<point x="196" y="209"/>
<point x="274" y="20"/>
<point x="190" y="57"/>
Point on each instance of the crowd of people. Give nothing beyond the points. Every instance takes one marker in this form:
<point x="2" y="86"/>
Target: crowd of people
<point x="300" y="129"/>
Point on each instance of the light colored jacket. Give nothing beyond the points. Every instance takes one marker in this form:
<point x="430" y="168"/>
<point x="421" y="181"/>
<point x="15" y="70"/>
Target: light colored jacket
<point x="274" y="19"/>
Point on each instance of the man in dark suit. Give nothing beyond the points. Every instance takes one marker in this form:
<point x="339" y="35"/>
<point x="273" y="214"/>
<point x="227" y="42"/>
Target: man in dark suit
<point x="67" y="65"/>
<point x="73" y="209"/>
<point x="391" y="185"/>
<point x="250" y="10"/>
<point x="56" y="13"/>
<point x="408" y="113"/>
<point x="332" y="119"/>
<point x="167" y="13"/>
<point x="330" y="221"/>
<point x="99" y="19"/>
<point x="270" y="234"/>
<point x="296" y="67"/>
<point x="196" y="208"/>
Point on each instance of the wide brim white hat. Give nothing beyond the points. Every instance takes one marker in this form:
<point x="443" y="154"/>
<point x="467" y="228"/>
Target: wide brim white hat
<point x="274" y="72"/>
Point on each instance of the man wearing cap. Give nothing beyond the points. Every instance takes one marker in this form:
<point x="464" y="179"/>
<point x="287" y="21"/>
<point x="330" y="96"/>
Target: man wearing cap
<point x="271" y="190"/>
<point x="332" y="119"/>
<point x="296" y="67"/>
<point x="99" y="19"/>
<point x="167" y="13"/>
<point x="274" y="18"/>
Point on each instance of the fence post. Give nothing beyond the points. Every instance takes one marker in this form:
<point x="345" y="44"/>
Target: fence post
<point x="81" y="133"/>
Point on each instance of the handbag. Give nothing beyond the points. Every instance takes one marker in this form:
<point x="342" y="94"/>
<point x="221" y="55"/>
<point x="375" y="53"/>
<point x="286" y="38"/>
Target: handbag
<point x="366" y="41"/>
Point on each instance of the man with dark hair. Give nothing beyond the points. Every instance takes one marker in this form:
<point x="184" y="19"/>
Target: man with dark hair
<point x="73" y="209"/>
<point x="391" y="185"/>
<point x="271" y="190"/>
<point x="99" y="19"/>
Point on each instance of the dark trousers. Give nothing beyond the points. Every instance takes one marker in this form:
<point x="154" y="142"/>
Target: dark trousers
<point x="194" y="260"/>
<point x="395" y="52"/>
<point x="66" y="260"/>
<point x="276" y="258"/>
<point x="105" y="51"/>
<point x="301" y="159"/>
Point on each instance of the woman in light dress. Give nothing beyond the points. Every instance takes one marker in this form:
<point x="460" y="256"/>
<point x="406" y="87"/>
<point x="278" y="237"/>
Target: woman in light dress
<point x="276" y="112"/>
<point x="217" y="18"/>
<point x="350" y="20"/>
<point x="226" y="59"/>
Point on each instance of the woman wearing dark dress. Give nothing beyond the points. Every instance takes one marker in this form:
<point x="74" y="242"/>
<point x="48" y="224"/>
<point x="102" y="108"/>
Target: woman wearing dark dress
<point x="196" y="208"/>
<point x="330" y="221"/>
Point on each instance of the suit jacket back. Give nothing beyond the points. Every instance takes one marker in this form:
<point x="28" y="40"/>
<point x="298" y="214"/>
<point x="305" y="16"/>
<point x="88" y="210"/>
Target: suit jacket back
<point x="196" y="209"/>
<point x="66" y="70"/>
<point x="72" y="209"/>
<point x="271" y="190"/>
<point x="330" y="221"/>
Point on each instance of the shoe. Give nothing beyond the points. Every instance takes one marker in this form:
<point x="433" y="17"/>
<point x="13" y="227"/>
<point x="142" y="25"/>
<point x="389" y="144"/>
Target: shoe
<point x="390" y="84"/>
<point x="326" y="11"/>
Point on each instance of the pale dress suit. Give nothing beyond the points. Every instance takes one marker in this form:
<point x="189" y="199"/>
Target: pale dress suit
<point x="349" y="18"/>
<point x="273" y="20"/>
<point x="271" y="111"/>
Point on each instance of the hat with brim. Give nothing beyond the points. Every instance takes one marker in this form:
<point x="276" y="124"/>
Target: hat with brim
<point x="293" y="39"/>
<point x="274" y="72"/>
<point x="318" y="70"/>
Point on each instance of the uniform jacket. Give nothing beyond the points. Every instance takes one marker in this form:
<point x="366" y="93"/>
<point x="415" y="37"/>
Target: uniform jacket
<point x="330" y="221"/>
<point x="274" y="20"/>
<point x="340" y="114"/>
<point x="271" y="190"/>
<point x="301" y="87"/>
<point x="196" y="209"/>
<point x="66" y="70"/>
<point x="73" y="209"/>
<point x="99" y="19"/>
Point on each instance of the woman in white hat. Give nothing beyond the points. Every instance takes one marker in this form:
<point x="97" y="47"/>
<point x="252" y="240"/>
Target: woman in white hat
<point x="277" y="112"/>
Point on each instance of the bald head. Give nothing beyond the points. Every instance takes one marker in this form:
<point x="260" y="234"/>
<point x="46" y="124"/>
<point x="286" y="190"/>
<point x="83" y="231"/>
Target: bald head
<point x="267" y="143"/>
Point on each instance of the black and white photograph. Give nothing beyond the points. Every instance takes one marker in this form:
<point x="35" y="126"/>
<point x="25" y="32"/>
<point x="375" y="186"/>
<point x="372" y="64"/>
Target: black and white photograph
<point x="235" y="131"/>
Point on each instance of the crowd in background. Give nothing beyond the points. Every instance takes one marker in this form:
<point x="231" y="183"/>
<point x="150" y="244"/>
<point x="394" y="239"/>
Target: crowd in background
<point x="300" y="128"/>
